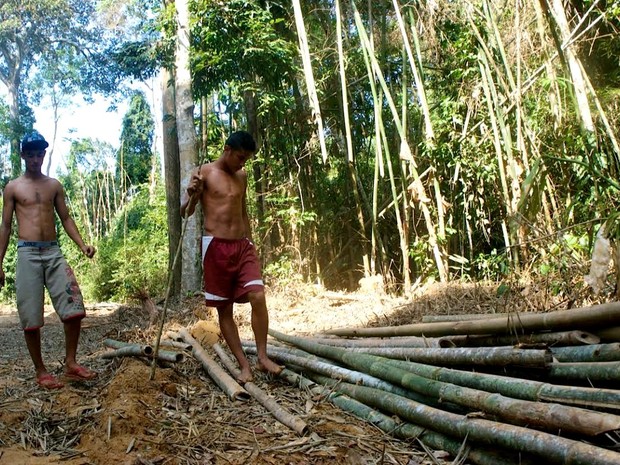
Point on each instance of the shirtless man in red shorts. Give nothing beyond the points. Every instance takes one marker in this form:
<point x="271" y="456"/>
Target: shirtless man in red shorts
<point x="230" y="263"/>
<point x="35" y="199"/>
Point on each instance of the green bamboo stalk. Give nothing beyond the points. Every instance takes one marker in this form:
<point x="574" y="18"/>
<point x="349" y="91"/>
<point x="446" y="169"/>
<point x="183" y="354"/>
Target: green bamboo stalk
<point x="555" y="338"/>
<point x="475" y="455"/>
<point x="596" y="316"/>
<point x="326" y="367"/>
<point x="591" y="353"/>
<point x="419" y="193"/>
<point x="586" y="397"/>
<point x="411" y="341"/>
<point x="309" y="75"/>
<point x="419" y="83"/>
<point x="536" y="414"/>
<point x="464" y="356"/>
<point x="585" y="371"/>
<point x="552" y="449"/>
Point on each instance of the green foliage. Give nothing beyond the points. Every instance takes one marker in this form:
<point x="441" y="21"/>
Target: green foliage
<point x="133" y="258"/>
<point x="135" y="156"/>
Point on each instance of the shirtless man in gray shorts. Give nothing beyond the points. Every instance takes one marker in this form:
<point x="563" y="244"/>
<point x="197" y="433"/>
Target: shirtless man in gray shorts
<point x="35" y="198"/>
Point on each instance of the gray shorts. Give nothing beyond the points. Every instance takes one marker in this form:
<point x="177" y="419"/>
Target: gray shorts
<point x="45" y="267"/>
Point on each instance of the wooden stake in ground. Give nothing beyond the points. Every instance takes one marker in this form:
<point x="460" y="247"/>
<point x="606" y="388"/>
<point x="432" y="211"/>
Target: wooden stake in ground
<point x="163" y="313"/>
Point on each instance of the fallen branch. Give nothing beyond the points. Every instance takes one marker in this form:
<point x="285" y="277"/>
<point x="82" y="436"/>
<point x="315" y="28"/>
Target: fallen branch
<point x="280" y="413"/>
<point x="216" y="372"/>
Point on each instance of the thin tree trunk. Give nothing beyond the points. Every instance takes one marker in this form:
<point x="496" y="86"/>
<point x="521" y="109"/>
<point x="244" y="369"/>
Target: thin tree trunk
<point x="172" y="178"/>
<point x="188" y="150"/>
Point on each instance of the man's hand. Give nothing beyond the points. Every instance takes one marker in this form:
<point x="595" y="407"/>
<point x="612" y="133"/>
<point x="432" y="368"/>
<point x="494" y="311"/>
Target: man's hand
<point x="89" y="251"/>
<point x="196" y="185"/>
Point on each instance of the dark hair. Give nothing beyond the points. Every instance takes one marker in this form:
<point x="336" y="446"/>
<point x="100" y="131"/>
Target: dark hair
<point x="241" y="140"/>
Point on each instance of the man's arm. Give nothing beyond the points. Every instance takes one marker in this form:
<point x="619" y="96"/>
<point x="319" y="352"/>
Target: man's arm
<point x="192" y="194"/>
<point x="244" y="209"/>
<point x="8" y="207"/>
<point x="69" y="225"/>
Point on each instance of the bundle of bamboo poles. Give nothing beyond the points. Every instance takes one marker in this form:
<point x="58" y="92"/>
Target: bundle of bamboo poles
<point x="507" y="389"/>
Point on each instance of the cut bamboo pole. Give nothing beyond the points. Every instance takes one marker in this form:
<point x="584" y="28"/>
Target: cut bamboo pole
<point x="517" y="388"/>
<point x="133" y="350"/>
<point x="176" y="344"/>
<point x="592" y="353"/>
<point x="470" y="356"/>
<point x="280" y="413"/>
<point x="585" y="397"/>
<point x="536" y="414"/>
<point x="463" y="317"/>
<point x="326" y="367"/>
<point x="411" y="341"/>
<point x="437" y="441"/>
<point x="561" y="338"/>
<point x="216" y="372"/>
<point x="596" y="316"/>
<point x="551" y="448"/>
<point x="138" y="349"/>
<point x="586" y="371"/>
<point x="142" y="350"/>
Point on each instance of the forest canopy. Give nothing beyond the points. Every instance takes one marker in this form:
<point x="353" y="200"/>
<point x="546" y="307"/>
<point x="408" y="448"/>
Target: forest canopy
<point x="421" y="142"/>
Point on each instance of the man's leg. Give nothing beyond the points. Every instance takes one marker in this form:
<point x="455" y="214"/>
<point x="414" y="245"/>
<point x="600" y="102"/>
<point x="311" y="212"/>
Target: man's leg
<point x="44" y="378"/>
<point x="260" y="326"/>
<point x="33" y="341"/>
<point x="231" y="336"/>
<point x="72" y="336"/>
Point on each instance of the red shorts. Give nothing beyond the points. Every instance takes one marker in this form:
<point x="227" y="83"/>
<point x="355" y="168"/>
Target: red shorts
<point x="231" y="269"/>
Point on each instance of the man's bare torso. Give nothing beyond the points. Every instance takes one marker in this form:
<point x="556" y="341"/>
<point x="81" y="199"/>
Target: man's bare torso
<point x="223" y="202"/>
<point x="34" y="203"/>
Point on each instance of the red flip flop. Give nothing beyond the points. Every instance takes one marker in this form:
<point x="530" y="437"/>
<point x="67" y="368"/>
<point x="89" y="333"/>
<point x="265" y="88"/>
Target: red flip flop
<point x="49" y="381"/>
<point x="80" y="373"/>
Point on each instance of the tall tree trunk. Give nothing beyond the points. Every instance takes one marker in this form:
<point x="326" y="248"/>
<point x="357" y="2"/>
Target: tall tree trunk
<point x="188" y="152"/>
<point x="258" y="171"/>
<point x="172" y="178"/>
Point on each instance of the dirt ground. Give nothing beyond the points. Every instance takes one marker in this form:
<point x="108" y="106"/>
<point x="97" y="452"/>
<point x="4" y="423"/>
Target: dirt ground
<point x="181" y="416"/>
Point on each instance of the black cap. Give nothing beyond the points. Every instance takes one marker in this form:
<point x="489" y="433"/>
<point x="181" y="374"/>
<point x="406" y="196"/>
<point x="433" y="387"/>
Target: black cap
<point x="34" y="141"/>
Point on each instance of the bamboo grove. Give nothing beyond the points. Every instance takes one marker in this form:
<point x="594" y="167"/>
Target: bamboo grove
<point x="427" y="140"/>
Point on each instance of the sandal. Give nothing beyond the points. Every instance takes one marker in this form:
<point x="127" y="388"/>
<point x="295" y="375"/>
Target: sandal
<point x="49" y="381"/>
<point x="80" y="373"/>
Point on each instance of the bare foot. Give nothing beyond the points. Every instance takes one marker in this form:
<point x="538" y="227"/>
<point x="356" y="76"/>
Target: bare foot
<point x="245" y="376"/>
<point x="79" y="373"/>
<point x="268" y="366"/>
<point x="49" y="381"/>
